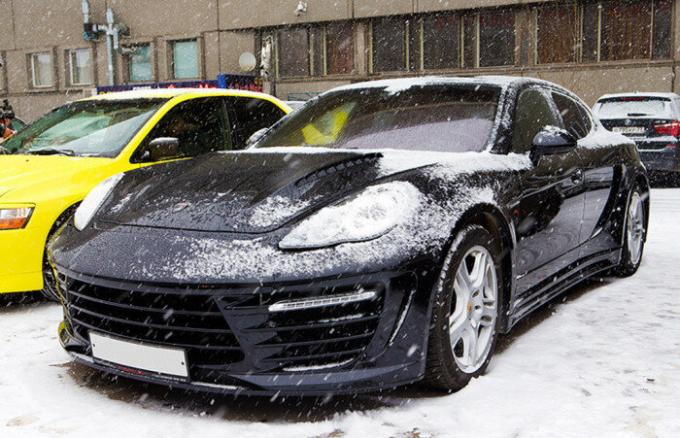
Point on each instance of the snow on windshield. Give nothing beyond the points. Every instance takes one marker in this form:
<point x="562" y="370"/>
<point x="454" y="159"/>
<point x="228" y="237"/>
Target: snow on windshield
<point x="622" y="109"/>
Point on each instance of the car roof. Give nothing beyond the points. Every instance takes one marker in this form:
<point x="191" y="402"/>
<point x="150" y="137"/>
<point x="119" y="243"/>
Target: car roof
<point x="639" y="94"/>
<point x="169" y="93"/>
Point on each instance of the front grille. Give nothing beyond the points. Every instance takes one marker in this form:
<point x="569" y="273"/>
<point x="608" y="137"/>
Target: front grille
<point x="232" y="329"/>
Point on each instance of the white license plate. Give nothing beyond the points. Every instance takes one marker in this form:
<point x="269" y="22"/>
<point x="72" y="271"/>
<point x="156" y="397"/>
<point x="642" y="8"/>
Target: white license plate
<point x="629" y="129"/>
<point x="143" y="357"/>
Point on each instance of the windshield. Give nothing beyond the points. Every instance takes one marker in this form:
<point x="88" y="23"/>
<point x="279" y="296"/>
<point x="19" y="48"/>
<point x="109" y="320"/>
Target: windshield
<point x="633" y="107"/>
<point x="432" y="118"/>
<point x="95" y="128"/>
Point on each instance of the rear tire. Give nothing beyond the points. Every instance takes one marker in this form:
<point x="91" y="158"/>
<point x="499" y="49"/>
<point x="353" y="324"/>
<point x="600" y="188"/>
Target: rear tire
<point x="466" y="310"/>
<point x="634" y="234"/>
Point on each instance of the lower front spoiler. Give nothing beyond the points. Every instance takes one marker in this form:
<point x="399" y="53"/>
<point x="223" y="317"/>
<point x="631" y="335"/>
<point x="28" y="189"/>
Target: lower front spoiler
<point x="312" y="384"/>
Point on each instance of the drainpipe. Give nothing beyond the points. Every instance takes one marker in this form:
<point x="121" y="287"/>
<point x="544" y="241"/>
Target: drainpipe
<point x="113" y="32"/>
<point x="110" y="23"/>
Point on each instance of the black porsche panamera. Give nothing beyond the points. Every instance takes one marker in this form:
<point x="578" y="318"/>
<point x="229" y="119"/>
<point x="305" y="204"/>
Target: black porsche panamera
<point x="386" y="233"/>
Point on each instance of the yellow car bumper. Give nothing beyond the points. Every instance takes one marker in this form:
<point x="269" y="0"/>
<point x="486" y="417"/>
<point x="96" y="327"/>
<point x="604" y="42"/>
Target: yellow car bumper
<point x="21" y="255"/>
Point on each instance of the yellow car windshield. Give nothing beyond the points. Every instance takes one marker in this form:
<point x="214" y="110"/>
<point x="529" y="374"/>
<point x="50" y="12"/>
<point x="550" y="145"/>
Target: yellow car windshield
<point x="96" y="128"/>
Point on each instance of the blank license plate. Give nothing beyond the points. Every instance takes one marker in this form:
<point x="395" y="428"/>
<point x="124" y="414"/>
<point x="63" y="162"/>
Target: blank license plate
<point x="629" y="129"/>
<point x="143" y="357"/>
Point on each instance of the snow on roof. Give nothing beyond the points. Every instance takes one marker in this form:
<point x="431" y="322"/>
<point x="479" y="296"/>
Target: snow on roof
<point x="401" y="84"/>
<point x="640" y="94"/>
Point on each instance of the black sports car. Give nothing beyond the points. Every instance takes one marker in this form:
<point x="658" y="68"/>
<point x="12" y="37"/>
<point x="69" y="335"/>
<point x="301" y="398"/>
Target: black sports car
<point x="386" y="233"/>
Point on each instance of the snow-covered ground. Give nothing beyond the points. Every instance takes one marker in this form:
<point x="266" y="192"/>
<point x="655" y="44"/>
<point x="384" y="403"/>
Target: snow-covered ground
<point x="603" y="361"/>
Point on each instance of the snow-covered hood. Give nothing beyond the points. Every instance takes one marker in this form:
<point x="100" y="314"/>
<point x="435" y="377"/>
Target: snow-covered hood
<point x="259" y="191"/>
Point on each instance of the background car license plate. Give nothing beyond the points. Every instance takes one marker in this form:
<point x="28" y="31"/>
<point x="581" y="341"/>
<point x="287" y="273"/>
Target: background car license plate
<point x="629" y="129"/>
<point x="140" y="356"/>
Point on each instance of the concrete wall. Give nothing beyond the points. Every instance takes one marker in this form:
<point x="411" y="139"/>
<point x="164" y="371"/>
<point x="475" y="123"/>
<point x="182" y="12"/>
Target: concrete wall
<point x="227" y="28"/>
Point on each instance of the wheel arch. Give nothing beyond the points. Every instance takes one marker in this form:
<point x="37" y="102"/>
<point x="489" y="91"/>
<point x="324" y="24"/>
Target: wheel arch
<point x="496" y="223"/>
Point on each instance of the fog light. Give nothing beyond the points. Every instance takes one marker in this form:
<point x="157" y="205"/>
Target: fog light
<point x="312" y="303"/>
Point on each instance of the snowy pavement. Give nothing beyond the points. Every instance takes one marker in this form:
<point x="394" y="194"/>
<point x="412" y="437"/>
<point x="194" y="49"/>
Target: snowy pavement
<point x="602" y="361"/>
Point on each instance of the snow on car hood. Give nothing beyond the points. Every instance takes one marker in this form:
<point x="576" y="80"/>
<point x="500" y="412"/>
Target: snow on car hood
<point x="258" y="191"/>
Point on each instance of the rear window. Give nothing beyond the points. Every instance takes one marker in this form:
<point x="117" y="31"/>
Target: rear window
<point x="633" y="107"/>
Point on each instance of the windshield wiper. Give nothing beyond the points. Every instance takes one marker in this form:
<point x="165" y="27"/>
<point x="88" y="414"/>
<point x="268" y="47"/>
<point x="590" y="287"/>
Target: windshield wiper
<point x="52" y="151"/>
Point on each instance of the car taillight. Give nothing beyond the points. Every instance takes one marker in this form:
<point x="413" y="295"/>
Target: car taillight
<point x="672" y="129"/>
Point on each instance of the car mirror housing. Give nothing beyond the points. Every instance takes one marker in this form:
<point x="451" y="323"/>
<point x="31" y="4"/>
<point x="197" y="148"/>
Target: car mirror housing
<point x="551" y="140"/>
<point x="257" y="135"/>
<point x="162" y="148"/>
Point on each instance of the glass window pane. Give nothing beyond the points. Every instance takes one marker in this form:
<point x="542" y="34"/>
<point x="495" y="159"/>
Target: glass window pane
<point x="185" y="59"/>
<point x="81" y="66"/>
<point x="626" y="30"/>
<point x="575" y="119"/>
<point x="139" y="64"/>
<point x="470" y="41"/>
<point x="441" y="35"/>
<point x="532" y="113"/>
<point x="496" y="38"/>
<point x="43" y="76"/>
<point x="556" y="32"/>
<point x="389" y="45"/>
<point x="663" y="10"/>
<point x="340" y="48"/>
<point x="293" y="49"/>
<point x="591" y="19"/>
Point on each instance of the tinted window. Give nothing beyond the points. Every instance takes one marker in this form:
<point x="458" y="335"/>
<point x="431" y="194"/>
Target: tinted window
<point x="198" y="124"/>
<point x="435" y="118"/>
<point x="575" y="118"/>
<point x="293" y="50"/>
<point x="633" y="107"/>
<point x="88" y="128"/>
<point x="496" y="38"/>
<point x="441" y="34"/>
<point x="248" y="116"/>
<point x="389" y="44"/>
<point x="533" y="112"/>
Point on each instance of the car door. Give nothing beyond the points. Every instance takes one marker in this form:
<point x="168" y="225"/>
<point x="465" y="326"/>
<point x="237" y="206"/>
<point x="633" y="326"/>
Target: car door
<point x="600" y="168"/>
<point x="549" y="212"/>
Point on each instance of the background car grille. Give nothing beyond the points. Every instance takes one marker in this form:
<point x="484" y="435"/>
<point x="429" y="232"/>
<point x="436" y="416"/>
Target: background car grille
<point x="231" y="329"/>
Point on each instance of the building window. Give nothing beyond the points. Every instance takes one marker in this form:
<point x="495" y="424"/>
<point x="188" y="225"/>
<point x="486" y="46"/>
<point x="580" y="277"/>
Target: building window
<point x="42" y="70"/>
<point x="339" y="48"/>
<point x="556" y="33"/>
<point x="663" y="14"/>
<point x="293" y="52"/>
<point x="139" y="66"/>
<point x="496" y="38"/>
<point x="389" y="36"/>
<point x="626" y="30"/>
<point x="185" y="59"/>
<point x="441" y="42"/>
<point x="79" y="66"/>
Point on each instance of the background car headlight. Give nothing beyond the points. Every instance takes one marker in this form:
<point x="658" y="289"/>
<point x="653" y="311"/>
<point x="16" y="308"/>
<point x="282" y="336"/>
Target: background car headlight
<point x="14" y="218"/>
<point x="366" y="216"/>
<point x="88" y="208"/>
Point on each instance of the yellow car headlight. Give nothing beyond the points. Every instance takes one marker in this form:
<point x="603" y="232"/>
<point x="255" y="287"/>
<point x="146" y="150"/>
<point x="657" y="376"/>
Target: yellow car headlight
<point x="14" y="218"/>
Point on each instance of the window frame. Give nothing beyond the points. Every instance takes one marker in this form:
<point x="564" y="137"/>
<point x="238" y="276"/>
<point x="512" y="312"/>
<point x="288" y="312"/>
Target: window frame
<point x="32" y="61"/>
<point x="127" y="62"/>
<point x="584" y="111"/>
<point x="70" y="67"/>
<point x="578" y="30"/>
<point x="172" y="62"/>
<point x="310" y="53"/>
<point x="406" y="22"/>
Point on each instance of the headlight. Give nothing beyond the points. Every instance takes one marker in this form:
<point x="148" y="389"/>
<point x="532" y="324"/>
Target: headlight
<point x="14" y="218"/>
<point x="88" y="208"/>
<point x="368" y="215"/>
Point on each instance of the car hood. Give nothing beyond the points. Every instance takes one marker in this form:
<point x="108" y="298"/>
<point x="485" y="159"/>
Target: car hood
<point x="22" y="175"/>
<point x="246" y="192"/>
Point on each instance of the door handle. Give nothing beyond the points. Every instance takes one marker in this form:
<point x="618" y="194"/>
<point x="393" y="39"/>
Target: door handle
<point x="577" y="177"/>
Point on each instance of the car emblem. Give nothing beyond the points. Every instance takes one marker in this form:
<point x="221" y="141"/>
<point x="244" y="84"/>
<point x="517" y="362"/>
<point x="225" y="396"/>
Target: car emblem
<point x="179" y="207"/>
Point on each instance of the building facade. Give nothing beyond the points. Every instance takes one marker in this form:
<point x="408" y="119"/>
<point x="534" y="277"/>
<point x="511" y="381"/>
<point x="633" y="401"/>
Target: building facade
<point x="592" y="47"/>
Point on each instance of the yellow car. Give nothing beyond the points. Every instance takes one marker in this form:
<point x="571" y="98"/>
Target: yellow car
<point x="49" y="167"/>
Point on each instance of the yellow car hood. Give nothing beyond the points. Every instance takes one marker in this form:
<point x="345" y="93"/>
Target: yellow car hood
<point x="27" y="178"/>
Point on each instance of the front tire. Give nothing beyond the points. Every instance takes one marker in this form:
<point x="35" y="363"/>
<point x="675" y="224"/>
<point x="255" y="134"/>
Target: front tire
<point x="465" y="315"/>
<point x="634" y="235"/>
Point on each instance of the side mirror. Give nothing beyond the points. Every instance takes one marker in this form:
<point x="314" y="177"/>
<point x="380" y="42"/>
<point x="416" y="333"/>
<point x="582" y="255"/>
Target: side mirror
<point x="552" y="140"/>
<point x="257" y="135"/>
<point x="160" y="149"/>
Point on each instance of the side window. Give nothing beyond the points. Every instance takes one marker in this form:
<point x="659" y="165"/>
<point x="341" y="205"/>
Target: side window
<point x="198" y="124"/>
<point x="533" y="112"/>
<point x="248" y="115"/>
<point x="575" y="118"/>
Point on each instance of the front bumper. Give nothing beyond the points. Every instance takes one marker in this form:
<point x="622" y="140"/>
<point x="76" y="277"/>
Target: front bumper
<point x="21" y="255"/>
<point x="235" y="345"/>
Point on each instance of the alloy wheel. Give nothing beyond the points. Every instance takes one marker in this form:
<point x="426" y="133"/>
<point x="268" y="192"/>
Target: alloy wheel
<point x="635" y="228"/>
<point x="475" y="310"/>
